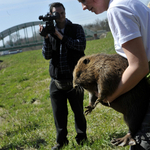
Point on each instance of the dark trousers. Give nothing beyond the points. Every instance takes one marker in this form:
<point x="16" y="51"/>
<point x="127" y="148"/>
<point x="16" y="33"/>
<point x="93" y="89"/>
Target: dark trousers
<point x="143" y="135"/>
<point x="60" y="112"/>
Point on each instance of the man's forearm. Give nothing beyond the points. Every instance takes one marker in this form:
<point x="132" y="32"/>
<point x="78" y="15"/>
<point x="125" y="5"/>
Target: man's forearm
<point x="47" y="49"/>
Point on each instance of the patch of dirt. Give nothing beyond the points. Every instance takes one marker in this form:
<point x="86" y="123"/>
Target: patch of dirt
<point x="36" y="102"/>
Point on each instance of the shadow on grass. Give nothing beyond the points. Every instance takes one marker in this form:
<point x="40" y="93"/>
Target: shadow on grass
<point x="2" y="106"/>
<point x="20" y="146"/>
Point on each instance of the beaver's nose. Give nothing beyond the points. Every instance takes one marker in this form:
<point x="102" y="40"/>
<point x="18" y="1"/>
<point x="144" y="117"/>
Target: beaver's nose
<point x="75" y="86"/>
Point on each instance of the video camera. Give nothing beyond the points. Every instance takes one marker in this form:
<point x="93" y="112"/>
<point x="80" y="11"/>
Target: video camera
<point x="49" y="28"/>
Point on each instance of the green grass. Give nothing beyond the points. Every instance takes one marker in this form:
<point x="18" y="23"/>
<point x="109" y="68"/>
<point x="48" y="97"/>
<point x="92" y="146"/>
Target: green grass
<point x="26" y="119"/>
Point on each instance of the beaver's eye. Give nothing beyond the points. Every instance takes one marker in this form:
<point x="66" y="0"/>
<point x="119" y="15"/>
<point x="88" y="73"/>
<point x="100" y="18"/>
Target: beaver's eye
<point x="86" y="61"/>
<point x="78" y="74"/>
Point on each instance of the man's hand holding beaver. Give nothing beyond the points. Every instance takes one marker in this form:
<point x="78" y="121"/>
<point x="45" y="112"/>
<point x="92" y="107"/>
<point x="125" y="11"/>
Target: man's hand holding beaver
<point x="108" y="100"/>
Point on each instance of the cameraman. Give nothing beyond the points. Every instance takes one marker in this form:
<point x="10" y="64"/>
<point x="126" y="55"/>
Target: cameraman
<point x="65" y="47"/>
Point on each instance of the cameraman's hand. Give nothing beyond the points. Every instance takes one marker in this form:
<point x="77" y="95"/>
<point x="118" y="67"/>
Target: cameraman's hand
<point x="40" y="30"/>
<point x="58" y="34"/>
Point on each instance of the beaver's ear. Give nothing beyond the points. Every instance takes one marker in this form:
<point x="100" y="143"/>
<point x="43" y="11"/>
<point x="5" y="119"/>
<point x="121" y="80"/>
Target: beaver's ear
<point x="86" y="61"/>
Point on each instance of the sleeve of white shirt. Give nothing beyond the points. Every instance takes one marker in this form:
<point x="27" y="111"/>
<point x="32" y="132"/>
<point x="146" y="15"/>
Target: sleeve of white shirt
<point x="124" y="24"/>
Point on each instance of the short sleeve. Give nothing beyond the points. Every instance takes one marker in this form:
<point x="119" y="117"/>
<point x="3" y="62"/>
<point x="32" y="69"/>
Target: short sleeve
<point x="124" y="24"/>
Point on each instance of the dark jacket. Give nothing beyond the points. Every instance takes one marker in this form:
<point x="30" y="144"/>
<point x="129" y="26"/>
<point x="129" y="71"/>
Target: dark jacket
<point x="73" y="42"/>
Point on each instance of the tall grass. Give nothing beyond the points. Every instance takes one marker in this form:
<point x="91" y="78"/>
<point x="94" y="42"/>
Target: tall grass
<point x="26" y="119"/>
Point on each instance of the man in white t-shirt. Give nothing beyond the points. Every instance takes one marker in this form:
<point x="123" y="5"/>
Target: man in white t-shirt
<point x="129" y="21"/>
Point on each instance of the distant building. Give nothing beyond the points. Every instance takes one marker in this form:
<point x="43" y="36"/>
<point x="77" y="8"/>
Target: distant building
<point x="148" y="5"/>
<point x="90" y="35"/>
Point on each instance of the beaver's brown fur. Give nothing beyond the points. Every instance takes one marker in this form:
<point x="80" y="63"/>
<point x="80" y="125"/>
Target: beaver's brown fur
<point x="102" y="73"/>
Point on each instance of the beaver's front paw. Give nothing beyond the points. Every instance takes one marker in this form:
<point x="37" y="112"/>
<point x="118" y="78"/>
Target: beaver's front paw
<point x="124" y="141"/>
<point x="89" y="109"/>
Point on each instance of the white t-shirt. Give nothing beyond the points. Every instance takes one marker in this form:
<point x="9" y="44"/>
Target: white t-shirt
<point x="129" y="19"/>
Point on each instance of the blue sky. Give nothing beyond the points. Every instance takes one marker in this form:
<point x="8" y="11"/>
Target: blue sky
<point x="14" y="12"/>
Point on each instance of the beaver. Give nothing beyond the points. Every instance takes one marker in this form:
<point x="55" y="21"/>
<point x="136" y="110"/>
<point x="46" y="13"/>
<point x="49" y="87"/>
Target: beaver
<point x="101" y="73"/>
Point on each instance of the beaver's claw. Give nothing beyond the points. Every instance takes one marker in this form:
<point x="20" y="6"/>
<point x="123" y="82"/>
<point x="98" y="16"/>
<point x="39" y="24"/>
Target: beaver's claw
<point x="124" y="141"/>
<point x="96" y="102"/>
<point x="88" y="109"/>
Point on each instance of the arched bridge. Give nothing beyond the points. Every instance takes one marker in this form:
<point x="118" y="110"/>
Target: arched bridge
<point x="19" y="36"/>
<point x="26" y="35"/>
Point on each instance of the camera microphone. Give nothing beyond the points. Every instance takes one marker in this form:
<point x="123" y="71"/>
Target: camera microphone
<point x="49" y="17"/>
<point x="40" y="17"/>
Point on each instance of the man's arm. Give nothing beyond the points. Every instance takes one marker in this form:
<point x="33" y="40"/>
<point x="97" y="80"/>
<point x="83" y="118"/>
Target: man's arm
<point x="47" y="49"/>
<point x="137" y="69"/>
